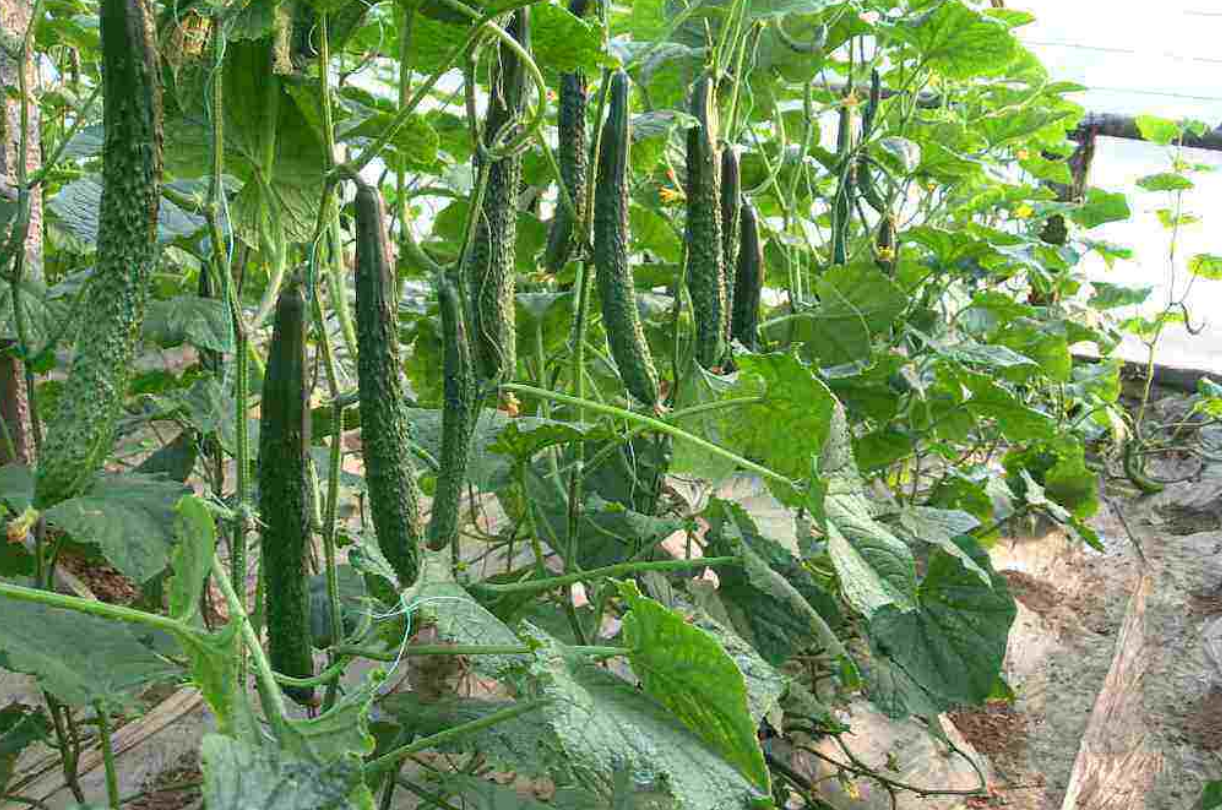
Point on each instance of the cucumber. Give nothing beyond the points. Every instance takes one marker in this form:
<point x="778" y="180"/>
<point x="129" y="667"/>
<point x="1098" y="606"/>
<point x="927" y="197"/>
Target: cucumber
<point x="491" y="261"/>
<point x="748" y="280"/>
<point x="705" y="271"/>
<point x="621" y="319"/>
<point x="574" y="160"/>
<point x="457" y="419"/>
<point x="1134" y="469"/>
<point x="394" y="495"/>
<point x="886" y="246"/>
<point x="731" y="202"/>
<point x="842" y="203"/>
<point x="81" y="433"/>
<point x="284" y="503"/>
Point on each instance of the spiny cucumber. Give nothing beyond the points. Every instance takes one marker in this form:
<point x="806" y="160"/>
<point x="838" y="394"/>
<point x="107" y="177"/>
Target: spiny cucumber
<point x="284" y="505"/>
<point x="82" y="431"/>
<point x="574" y="157"/>
<point x="748" y="281"/>
<point x="394" y="495"/>
<point x="457" y="419"/>
<point x="731" y="201"/>
<point x="490" y="270"/>
<point x="705" y="270"/>
<point x="620" y="316"/>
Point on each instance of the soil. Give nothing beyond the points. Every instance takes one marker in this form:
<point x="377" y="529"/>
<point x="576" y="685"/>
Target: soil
<point x="169" y="790"/>
<point x="106" y="583"/>
<point x="996" y="729"/>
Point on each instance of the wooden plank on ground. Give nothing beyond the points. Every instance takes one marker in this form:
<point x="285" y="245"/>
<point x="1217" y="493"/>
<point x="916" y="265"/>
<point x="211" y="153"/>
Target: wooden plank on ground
<point x="1117" y="761"/>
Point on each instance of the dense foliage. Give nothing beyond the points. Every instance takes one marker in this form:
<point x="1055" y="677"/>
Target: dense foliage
<point x="838" y="252"/>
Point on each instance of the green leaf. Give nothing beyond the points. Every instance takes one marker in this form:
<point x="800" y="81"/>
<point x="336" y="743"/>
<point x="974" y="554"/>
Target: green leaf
<point x="44" y="317"/>
<point x="953" y="645"/>
<point x="240" y="776"/>
<point x="940" y="527"/>
<point x="437" y="598"/>
<point x="790" y="425"/>
<point x="1211" y="797"/>
<point x="202" y="322"/>
<point x="857" y="303"/>
<point x="415" y="141"/>
<point x="689" y="672"/>
<point x="1113" y="296"/>
<point x="903" y="154"/>
<point x="597" y="725"/>
<point x="191" y="559"/>
<point x="20" y="726"/>
<point x="78" y="203"/>
<point x="1206" y="265"/>
<point x="875" y="568"/>
<point x="960" y="43"/>
<point x="1159" y="130"/>
<point x="564" y="43"/>
<point x="79" y="658"/>
<point x="1166" y="181"/>
<point x="17" y="487"/>
<point x="1100" y="208"/>
<point x="773" y="601"/>
<point x="131" y="517"/>
<point x="1016" y="421"/>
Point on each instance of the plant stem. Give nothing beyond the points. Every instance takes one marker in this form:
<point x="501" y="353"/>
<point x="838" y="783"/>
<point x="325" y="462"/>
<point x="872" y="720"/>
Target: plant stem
<point x="418" y="650"/>
<point x="654" y="424"/>
<point x="392" y="759"/>
<point x="91" y="606"/>
<point x="541" y="585"/>
<point x="108" y="756"/>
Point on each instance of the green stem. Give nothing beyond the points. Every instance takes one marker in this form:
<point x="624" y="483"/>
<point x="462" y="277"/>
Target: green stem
<point x="412" y="651"/>
<point x="652" y="423"/>
<point x="108" y="756"/>
<point x="90" y="606"/>
<point x="619" y="569"/>
<point x="392" y="759"/>
<point x="269" y="693"/>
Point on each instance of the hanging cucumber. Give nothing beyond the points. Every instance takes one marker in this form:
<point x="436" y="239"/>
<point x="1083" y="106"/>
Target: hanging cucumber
<point x="574" y="157"/>
<point x="81" y="433"/>
<point x="491" y="269"/>
<point x="457" y="419"/>
<point x="615" y="287"/>
<point x="394" y="496"/>
<point x="731" y="202"/>
<point x="705" y="270"/>
<point x="284" y="505"/>
<point x="865" y="178"/>
<point x="886" y="247"/>
<point x="842" y="204"/>
<point x="748" y="281"/>
<point x="1135" y="469"/>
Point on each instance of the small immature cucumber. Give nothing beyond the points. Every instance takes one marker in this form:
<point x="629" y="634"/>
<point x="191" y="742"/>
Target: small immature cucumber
<point x="394" y="495"/>
<point x="491" y="262"/>
<point x="705" y="272"/>
<point x="731" y="201"/>
<point x="81" y="433"/>
<point x="457" y="419"/>
<point x="886" y="247"/>
<point x="284" y="504"/>
<point x="620" y="316"/>
<point x="748" y="281"/>
<point x="574" y="160"/>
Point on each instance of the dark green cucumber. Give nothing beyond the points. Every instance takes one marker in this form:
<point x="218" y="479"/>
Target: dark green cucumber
<point x="457" y="419"/>
<point x="490" y="271"/>
<point x="284" y="504"/>
<point x="705" y="271"/>
<point x="621" y="319"/>
<point x="574" y="160"/>
<point x="842" y="204"/>
<point x="1134" y="468"/>
<point x="81" y="433"/>
<point x="865" y="179"/>
<point x="394" y="495"/>
<point x="748" y="281"/>
<point x="731" y="202"/>
<point x="886" y="246"/>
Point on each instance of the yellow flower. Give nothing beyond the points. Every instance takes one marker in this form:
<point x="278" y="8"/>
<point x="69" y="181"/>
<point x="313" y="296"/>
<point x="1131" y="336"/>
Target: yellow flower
<point x="1024" y="211"/>
<point x="886" y="254"/>
<point x="1022" y="154"/>
<point x="670" y="196"/>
